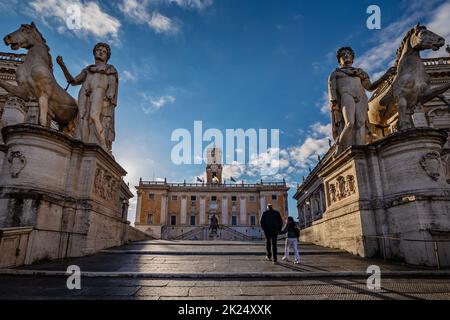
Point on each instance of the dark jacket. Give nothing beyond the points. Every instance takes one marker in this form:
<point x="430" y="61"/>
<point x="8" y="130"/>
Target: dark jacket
<point x="271" y="222"/>
<point x="290" y="229"/>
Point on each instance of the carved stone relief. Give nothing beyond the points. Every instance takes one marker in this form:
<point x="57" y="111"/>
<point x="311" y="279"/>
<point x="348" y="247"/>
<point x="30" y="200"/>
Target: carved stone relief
<point x="432" y="165"/>
<point x="341" y="188"/>
<point x="333" y="192"/>
<point x="17" y="163"/>
<point x="105" y="185"/>
<point x="446" y="163"/>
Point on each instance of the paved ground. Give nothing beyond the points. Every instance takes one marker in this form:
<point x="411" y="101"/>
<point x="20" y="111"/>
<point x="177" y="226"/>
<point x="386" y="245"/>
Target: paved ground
<point x="220" y="270"/>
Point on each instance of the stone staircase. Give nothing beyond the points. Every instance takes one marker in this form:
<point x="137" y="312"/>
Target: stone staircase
<point x="223" y="233"/>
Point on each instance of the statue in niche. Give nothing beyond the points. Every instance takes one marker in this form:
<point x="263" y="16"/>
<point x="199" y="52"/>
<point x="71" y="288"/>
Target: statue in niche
<point x="351" y="184"/>
<point x="341" y="187"/>
<point x="97" y="98"/>
<point x="333" y="192"/>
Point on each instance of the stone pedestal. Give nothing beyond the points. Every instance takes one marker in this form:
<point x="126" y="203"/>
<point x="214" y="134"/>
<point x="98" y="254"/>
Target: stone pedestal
<point x="395" y="188"/>
<point x="69" y="192"/>
<point x="14" y="111"/>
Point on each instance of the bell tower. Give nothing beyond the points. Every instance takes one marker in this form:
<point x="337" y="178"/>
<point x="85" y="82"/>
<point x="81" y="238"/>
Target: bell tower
<point x="214" y="166"/>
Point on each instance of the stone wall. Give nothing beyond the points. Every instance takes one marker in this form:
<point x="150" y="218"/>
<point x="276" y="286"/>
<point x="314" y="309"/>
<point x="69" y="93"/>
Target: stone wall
<point x="134" y="234"/>
<point x="14" y="246"/>
<point x="395" y="188"/>
<point x="69" y="192"/>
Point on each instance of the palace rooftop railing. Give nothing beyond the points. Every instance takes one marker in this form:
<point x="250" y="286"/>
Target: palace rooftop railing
<point x="5" y="56"/>
<point x="430" y="62"/>
<point x="213" y="185"/>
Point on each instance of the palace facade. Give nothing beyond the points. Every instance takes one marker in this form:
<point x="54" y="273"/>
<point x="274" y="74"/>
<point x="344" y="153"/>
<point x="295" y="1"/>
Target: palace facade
<point x="183" y="210"/>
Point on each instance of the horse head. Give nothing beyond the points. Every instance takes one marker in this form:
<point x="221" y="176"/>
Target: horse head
<point x="424" y="39"/>
<point x="24" y="37"/>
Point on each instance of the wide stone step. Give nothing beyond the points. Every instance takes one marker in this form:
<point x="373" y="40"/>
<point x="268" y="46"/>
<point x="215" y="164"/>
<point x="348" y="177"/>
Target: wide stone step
<point x="213" y="253"/>
<point x="227" y="275"/>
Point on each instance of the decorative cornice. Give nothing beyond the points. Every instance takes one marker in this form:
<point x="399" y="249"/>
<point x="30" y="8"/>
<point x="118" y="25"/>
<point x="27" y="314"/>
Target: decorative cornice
<point x="57" y="136"/>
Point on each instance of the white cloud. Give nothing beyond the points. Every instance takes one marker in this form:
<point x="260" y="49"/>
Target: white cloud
<point x="317" y="143"/>
<point x="128" y="76"/>
<point x="156" y="103"/>
<point x="321" y="130"/>
<point x="235" y="170"/>
<point x="93" y="20"/>
<point x="267" y="163"/>
<point x="162" y="24"/>
<point x="192" y="4"/>
<point x="382" y="55"/>
<point x="162" y="101"/>
<point x="140" y="12"/>
<point x="439" y="23"/>
<point x="135" y="10"/>
<point x="324" y="103"/>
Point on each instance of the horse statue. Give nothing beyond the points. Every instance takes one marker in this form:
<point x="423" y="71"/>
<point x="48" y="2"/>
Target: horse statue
<point x="410" y="87"/>
<point x="35" y="79"/>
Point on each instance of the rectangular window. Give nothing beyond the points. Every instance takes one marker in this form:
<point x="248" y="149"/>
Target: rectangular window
<point x="252" y="198"/>
<point x="253" y="220"/>
<point x="173" y="220"/>
<point x="234" y="220"/>
<point x="274" y="197"/>
<point x="150" y="218"/>
<point x="174" y="198"/>
<point x="193" y="198"/>
<point x="151" y="196"/>
<point x="192" y="221"/>
<point x="214" y="198"/>
<point x="233" y="198"/>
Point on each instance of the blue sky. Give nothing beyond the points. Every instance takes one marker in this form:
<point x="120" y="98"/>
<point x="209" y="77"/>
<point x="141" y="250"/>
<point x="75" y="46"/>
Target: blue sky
<point x="231" y="64"/>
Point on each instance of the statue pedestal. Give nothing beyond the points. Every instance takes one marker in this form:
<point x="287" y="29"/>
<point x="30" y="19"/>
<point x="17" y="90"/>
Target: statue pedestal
<point x="70" y="193"/>
<point x="390" y="198"/>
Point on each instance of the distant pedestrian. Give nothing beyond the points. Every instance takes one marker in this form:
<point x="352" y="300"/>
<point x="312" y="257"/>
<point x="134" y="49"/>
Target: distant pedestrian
<point x="271" y="223"/>
<point x="214" y="224"/>
<point x="293" y="233"/>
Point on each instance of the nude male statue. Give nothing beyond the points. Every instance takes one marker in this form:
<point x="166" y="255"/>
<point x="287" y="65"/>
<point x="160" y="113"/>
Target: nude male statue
<point x="348" y="101"/>
<point x="97" y="98"/>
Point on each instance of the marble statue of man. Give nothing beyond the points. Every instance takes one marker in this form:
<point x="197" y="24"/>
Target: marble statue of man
<point x="348" y="101"/>
<point x="97" y="98"/>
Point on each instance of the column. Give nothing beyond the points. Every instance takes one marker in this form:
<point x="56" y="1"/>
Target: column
<point x="243" y="215"/>
<point x="183" y="210"/>
<point x="202" y="210"/>
<point x="164" y="209"/>
<point x="137" y="218"/>
<point x="262" y="203"/>
<point x="225" y="210"/>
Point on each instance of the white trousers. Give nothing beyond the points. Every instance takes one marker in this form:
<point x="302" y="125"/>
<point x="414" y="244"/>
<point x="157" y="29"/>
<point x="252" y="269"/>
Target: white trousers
<point x="294" y="243"/>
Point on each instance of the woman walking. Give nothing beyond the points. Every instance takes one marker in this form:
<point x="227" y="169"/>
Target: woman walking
<point x="293" y="233"/>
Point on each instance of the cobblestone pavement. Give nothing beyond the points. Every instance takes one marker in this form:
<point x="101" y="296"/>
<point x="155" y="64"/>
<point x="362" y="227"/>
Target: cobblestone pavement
<point x="212" y="258"/>
<point x="311" y="289"/>
<point x="201" y="261"/>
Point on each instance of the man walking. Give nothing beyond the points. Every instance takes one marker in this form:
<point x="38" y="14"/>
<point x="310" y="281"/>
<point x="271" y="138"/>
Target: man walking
<point x="271" y="223"/>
